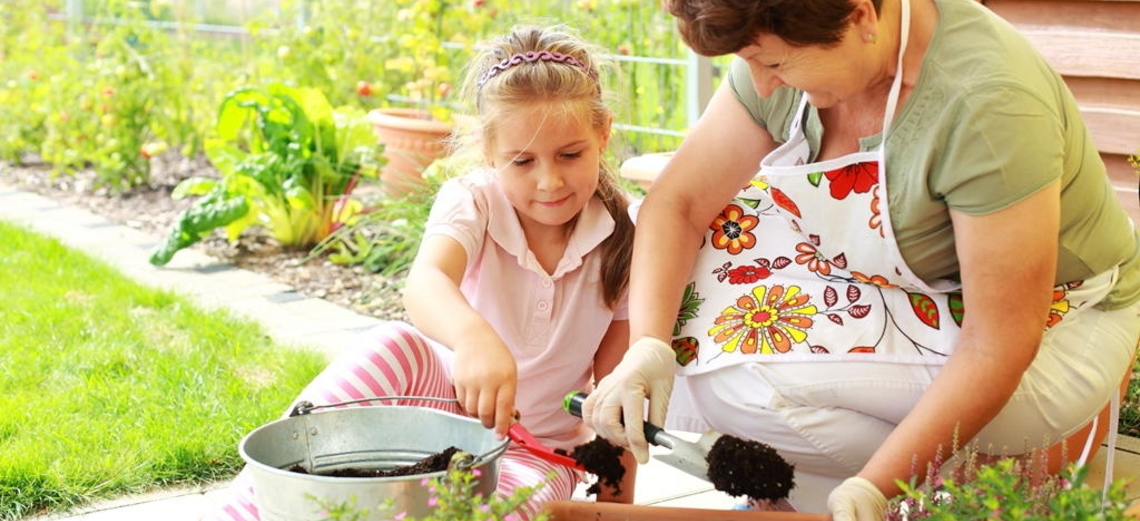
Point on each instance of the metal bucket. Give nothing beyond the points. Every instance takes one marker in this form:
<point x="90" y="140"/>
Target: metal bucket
<point x="363" y="437"/>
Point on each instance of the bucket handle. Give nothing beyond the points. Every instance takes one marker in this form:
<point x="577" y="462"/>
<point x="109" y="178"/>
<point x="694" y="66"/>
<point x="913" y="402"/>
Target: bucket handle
<point x="305" y="407"/>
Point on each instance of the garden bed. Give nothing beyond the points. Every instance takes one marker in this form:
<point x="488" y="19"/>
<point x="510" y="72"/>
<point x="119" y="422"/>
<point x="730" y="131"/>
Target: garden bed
<point x="149" y="208"/>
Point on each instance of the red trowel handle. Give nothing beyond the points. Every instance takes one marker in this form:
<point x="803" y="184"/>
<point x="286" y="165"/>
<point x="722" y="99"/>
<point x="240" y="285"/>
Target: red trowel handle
<point x="526" y="440"/>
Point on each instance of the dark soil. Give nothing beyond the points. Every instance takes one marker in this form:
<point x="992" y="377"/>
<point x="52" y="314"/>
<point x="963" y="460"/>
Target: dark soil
<point x="749" y="468"/>
<point x="150" y="209"/>
<point x="433" y="463"/>
<point x="602" y="459"/>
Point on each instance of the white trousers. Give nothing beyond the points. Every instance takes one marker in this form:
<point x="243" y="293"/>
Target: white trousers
<point x="828" y="418"/>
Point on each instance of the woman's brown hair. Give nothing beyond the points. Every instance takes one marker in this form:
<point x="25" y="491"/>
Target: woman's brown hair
<point x="716" y="27"/>
<point x="578" y="90"/>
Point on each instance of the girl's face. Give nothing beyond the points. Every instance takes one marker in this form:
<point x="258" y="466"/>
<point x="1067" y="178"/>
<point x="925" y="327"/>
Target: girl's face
<point x="547" y="162"/>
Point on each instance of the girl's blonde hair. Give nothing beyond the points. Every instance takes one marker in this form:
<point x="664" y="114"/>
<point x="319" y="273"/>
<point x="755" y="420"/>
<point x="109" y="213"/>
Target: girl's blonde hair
<point x="568" y="75"/>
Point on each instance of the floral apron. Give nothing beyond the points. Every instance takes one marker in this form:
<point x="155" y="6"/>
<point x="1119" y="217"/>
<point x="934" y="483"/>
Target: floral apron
<point x="803" y="266"/>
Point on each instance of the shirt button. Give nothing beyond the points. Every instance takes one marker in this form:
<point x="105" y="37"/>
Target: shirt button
<point x="543" y="305"/>
<point x="546" y="283"/>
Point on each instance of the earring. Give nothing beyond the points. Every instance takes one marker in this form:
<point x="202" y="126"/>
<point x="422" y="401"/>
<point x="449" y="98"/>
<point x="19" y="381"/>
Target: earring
<point x="872" y="37"/>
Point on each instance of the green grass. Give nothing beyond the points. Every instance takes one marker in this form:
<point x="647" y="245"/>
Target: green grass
<point x="108" y="387"/>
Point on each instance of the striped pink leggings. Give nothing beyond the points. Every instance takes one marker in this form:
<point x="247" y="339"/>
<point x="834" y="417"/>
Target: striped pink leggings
<point x="395" y="359"/>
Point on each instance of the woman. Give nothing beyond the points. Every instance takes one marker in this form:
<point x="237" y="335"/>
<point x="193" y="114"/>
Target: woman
<point x="865" y="302"/>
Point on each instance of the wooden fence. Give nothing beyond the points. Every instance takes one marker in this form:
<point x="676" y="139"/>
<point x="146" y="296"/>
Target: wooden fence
<point x="1095" y="45"/>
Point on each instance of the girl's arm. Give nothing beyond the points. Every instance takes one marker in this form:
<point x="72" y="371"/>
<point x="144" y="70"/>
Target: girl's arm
<point x="484" y="373"/>
<point x="613" y="346"/>
<point x="1008" y="260"/>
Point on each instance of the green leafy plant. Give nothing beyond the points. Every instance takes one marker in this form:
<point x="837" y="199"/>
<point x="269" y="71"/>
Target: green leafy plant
<point x="1006" y="490"/>
<point x="453" y="498"/>
<point x="288" y="161"/>
<point x="424" y="66"/>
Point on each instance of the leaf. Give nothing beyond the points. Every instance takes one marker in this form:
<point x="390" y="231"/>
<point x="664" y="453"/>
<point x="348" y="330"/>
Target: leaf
<point x="861" y="349"/>
<point x="815" y="178"/>
<point x="686" y="350"/>
<point x="781" y="262"/>
<point x="763" y="263"/>
<point x="820" y="350"/>
<point x="840" y="261"/>
<point x="924" y="308"/>
<point x="835" y="318"/>
<point x="204" y="215"/>
<point x="853" y="293"/>
<point x="859" y="311"/>
<point x="193" y="186"/>
<point x="957" y="307"/>
<point x="783" y="201"/>
<point x="830" y="296"/>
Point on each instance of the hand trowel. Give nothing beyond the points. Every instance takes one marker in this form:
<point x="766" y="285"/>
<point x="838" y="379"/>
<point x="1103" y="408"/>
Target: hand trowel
<point x="688" y="456"/>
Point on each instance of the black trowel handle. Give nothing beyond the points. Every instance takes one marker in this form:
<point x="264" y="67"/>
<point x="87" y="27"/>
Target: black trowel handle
<point x="572" y="403"/>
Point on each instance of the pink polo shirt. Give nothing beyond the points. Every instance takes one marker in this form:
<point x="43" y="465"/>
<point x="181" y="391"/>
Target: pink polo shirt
<point x="552" y="323"/>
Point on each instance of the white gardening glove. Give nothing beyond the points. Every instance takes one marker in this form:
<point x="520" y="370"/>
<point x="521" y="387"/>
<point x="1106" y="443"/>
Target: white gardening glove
<point x="646" y="371"/>
<point x="857" y="499"/>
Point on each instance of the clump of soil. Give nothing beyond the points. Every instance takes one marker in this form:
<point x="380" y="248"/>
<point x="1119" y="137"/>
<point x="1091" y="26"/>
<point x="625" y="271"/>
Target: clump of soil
<point x="749" y="468"/>
<point x="433" y="463"/>
<point x="602" y="459"/>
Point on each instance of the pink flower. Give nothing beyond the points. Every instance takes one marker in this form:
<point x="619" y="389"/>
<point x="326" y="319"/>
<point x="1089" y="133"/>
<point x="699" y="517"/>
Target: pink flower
<point x="424" y="482"/>
<point x="400" y="516"/>
<point x="433" y="501"/>
<point x="476" y="472"/>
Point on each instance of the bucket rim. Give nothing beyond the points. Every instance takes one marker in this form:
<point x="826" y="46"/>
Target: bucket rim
<point x="481" y="460"/>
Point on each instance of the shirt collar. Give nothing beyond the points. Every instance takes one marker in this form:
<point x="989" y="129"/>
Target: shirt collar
<point x="594" y="225"/>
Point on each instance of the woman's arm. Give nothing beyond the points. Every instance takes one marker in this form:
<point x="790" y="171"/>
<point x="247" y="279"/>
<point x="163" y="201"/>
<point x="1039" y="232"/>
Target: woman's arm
<point x="484" y="373"/>
<point x="613" y="346"/>
<point x="715" y="161"/>
<point x="1008" y="260"/>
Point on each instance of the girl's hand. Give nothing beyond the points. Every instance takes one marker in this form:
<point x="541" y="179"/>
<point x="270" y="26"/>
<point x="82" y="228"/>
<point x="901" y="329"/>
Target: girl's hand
<point x="485" y="377"/>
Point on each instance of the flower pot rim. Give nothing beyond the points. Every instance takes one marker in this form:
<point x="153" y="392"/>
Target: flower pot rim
<point x="413" y="119"/>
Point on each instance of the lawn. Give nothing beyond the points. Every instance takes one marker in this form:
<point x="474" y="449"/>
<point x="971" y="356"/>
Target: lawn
<point x="109" y="387"/>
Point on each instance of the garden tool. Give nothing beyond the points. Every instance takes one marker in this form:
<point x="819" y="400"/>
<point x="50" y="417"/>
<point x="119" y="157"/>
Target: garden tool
<point x="688" y="456"/>
<point x="526" y="440"/>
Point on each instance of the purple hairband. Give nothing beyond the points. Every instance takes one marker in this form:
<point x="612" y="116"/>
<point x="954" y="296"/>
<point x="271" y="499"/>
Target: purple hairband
<point x="531" y="57"/>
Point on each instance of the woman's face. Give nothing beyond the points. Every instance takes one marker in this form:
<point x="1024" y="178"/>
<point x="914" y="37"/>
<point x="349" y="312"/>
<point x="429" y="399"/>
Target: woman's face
<point x="547" y="162"/>
<point x="827" y="75"/>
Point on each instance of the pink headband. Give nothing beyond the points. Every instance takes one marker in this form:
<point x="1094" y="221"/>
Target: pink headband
<point x="531" y="57"/>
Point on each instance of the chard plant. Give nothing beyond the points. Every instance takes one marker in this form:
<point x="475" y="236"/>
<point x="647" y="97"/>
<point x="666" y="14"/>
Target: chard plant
<point x="288" y="162"/>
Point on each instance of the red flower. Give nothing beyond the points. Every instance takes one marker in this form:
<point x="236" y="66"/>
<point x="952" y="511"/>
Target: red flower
<point x="859" y="177"/>
<point x="813" y="258"/>
<point x="748" y="274"/>
<point x="732" y="230"/>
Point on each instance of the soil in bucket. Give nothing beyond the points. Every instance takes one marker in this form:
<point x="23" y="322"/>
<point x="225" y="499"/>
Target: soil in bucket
<point x="432" y="463"/>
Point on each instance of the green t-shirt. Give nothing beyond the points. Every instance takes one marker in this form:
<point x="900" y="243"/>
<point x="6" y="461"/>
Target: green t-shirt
<point x="987" y="124"/>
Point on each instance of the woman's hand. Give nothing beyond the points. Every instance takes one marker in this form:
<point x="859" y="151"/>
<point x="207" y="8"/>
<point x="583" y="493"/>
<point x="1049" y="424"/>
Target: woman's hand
<point x="646" y="371"/>
<point x="485" y="378"/>
<point x="857" y="499"/>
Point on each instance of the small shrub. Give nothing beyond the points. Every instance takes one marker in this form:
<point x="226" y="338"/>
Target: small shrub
<point x="453" y="499"/>
<point x="1006" y="490"/>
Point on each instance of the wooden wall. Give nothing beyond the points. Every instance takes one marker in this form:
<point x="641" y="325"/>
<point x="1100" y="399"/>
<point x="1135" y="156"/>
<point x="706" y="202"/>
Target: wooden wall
<point x="1095" y="45"/>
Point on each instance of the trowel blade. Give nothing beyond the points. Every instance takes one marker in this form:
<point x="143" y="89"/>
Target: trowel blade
<point x="690" y="457"/>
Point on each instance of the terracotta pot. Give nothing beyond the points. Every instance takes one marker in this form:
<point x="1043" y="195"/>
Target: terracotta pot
<point x="412" y="139"/>
<point x="592" y="511"/>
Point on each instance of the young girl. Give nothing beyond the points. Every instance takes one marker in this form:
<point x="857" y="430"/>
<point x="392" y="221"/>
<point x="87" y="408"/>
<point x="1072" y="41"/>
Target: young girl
<point x="518" y="290"/>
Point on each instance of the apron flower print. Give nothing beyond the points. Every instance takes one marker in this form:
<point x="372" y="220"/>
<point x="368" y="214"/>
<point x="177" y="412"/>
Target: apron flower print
<point x="803" y="266"/>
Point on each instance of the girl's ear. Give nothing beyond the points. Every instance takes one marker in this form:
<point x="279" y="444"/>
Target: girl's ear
<point x="605" y="131"/>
